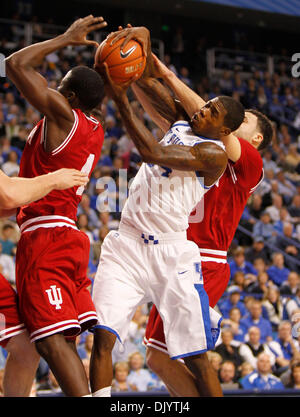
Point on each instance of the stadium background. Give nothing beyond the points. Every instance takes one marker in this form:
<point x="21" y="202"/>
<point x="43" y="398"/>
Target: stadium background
<point x="242" y="48"/>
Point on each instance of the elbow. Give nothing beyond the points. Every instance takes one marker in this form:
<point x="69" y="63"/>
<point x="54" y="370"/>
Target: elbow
<point x="13" y="63"/>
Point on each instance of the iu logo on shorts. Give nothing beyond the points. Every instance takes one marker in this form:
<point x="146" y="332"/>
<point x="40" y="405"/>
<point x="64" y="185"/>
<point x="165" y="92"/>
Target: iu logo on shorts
<point x="54" y="295"/>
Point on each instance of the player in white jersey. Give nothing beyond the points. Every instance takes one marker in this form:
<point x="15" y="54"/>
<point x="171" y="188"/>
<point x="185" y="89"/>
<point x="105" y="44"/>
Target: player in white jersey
<point x="149" y="258"/>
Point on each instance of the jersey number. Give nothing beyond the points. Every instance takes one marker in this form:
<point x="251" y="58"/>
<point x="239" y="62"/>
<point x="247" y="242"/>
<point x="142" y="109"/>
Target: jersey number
<point x="86" y="169"/>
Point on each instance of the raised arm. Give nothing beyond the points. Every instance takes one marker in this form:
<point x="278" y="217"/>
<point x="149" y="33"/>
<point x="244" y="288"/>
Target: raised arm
<point x="207" y="158"/>
<point x="21" y="68"/>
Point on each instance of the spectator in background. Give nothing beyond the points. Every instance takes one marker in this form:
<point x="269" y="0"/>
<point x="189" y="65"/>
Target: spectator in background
<point x="294" y="381"/>
<point x="289" y="245"/>
<point x="7" y="267"/>
<point x="269" y="164"/>
<point x="83" y="226"/>
<point x="240" y="264"/>
<point x="290" y="286"/>
<point x="11" y="167"/>
<point x="227" y="375"/>
<point x="258" y="250"/>
<point x="138" y="375"/>
<point x="232" y="301"/>
<point x="284" y="218"/>
<point x="277" y="272"/>
<point x="19" y="141"/>
<point x="294" y="209"/>
<point x="260" y="287"/>
<point x="254" y="318"/>
<point x="274" y="209"/>
<point x="283" y="347"/>
<point x="293" y="304"/>
<point x="103" y="231"/>
<point x="256" y="207"/>
<point x="233" y="323"/>
<point x="285" y="187"/>
<point x="250" y="350"/>
<point x="245" y="369"/>
<point x="262" y="378"/>
<point x="260" y="265"/>
<point x="228" y="349"/>
<point x="85" y="208"/>
<point x="264" y="228"/>
<point x="7" y="239"/>
<point x="120" y="382"/>
<point x="273" y="306"/>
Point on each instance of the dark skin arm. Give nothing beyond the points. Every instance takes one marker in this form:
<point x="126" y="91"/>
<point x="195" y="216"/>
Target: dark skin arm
<point x="21" y="68"/>
<point x="207" y="158"/>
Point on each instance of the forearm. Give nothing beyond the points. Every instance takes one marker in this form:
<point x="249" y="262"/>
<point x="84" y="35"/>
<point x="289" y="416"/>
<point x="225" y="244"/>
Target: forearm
<point x="159" y="98"/>
<point x="22" y="191"/>
<point x="142" y="138"/>
<point x="160" y="121"/>
<point x="34" y="55"/>
<point x="190" y="101"/>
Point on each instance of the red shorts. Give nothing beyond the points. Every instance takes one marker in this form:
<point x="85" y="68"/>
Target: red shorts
<point x="52" y="282"/>
<point x="10" y="322"/>
<point x="215" y="278"/>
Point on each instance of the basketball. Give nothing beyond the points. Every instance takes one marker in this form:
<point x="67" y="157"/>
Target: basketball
<point x="122" y="65"/>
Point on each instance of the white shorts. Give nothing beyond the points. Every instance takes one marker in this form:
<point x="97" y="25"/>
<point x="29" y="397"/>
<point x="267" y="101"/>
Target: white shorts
<point x="165" y="269"/>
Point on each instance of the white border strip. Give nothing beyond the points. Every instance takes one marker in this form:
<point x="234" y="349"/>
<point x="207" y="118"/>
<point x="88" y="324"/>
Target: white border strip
<point x="68" y="138"/>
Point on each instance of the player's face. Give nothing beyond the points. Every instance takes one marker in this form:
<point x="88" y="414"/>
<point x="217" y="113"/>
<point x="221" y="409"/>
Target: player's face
<point x="248" y="129"/>
<point x="209" y="119"/>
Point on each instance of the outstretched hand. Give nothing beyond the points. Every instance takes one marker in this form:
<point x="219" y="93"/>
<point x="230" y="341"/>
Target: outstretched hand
<point x="140" y="34"/>
<point x="78" y="31"/>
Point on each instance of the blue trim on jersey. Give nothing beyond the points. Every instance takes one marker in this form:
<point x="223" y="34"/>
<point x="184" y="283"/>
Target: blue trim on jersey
<point x="99" y="326"/>
<point x="181" y="124"/>
<point x="204" y="301"/>
<point x="185" y="355"/>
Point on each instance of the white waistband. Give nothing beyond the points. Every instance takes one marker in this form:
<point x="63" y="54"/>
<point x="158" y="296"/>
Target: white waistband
<point x="47" y="222"/>
<point x="151" y="238"/>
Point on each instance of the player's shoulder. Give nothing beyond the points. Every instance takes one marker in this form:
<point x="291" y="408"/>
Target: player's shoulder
<point x="250" y="151"/>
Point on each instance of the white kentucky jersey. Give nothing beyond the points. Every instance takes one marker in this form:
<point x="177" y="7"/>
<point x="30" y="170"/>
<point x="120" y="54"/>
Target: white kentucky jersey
<point x="160" y="198"/>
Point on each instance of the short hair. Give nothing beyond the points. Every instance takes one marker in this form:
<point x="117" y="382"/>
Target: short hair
<point x="265" y="127"/>
<point x="235" y="112"/>
<point x="88" y="86"/>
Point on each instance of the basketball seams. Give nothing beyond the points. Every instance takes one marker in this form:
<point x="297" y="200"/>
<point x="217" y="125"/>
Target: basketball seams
<point x="122" y="69"/>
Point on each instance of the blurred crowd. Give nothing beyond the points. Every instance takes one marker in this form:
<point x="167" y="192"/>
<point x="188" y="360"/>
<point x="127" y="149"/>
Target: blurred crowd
<point x="259" y="346"/>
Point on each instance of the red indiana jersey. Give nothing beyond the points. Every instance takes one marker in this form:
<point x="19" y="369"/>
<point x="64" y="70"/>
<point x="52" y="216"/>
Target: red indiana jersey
<point x="80" y="150"/>
<point x="225" y="202"/>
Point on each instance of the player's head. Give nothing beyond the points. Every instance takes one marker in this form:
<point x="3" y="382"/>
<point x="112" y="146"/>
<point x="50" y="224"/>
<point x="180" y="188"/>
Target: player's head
<point x="218" y="117"/>
<point x="83" y="87"/>
<point x="256" y="129"/>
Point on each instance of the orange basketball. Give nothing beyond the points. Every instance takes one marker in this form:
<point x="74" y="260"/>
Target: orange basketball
<point x="124" y="64"/>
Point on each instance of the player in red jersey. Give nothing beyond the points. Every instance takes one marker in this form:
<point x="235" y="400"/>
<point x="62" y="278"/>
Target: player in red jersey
<point x="52" y="255"/>
<point x="22" y="357"/>
<point x="223" y="204"/>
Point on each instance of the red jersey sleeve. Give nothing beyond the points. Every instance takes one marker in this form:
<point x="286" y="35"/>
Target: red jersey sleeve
<point x="248" y="170"/>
